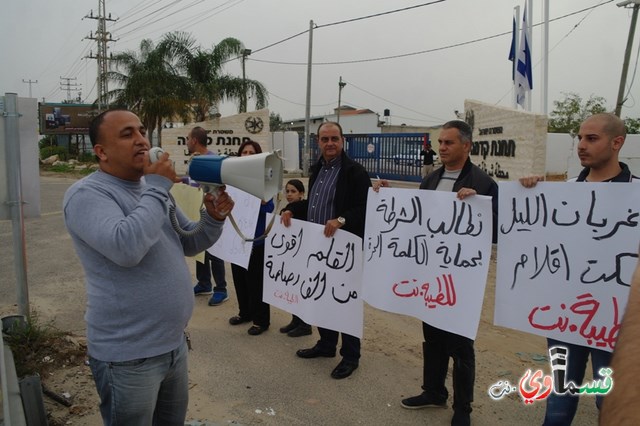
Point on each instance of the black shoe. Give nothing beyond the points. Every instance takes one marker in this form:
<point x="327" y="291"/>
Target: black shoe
<point x="461" y="418"/>
<point x="237" y="320"/>
<point x="287" y="328"/>
<point x="315" y="352"/>
<point x="256" y="330"/>
<point x="422" y="401"/>
<point x="301" y="330"/>
<point x="344" y="369"/>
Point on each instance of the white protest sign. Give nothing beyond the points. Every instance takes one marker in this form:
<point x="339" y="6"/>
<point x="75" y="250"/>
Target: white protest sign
<point x="566" y="254"/>
<point x="230" y="246"/>
<point x="426" y="254"/>
<point x="315" y="277"/>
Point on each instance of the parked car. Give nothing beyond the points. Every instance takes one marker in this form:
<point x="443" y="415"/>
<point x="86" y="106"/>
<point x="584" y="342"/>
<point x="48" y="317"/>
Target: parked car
<point x="409" y="159"/>
<point x="412" y="159"/>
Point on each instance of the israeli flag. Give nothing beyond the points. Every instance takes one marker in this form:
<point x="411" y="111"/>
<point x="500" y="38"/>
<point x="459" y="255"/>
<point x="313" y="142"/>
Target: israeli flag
<point x="523" y="77"/>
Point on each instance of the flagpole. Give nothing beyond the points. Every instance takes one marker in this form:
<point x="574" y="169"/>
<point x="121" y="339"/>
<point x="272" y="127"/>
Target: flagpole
<point x="545" y="64"/>
<point x="516" y="37"/>
<point x="529" y="12"/>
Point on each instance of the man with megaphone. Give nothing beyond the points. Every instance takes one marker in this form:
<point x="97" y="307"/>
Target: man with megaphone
<point x="338" y="188"/>
<point x="139" y="294"/>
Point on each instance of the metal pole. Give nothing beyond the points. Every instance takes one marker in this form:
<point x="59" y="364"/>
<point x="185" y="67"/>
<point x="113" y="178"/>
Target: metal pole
<point x="306" y="155"/>
<point x="529" y="12"/>
<point x="545" y="64"/>
<point x="625" y="64"/>
<point x="340" y="86"/>
<point x="516" y="36"/>
<point x="14" y="199"/>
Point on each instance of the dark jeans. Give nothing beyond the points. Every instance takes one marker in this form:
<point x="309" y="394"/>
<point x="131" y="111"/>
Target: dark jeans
<point x="438" y="346"/>
<point x="249" y="287"/>
<point x="212" y="265"/>
<point x="562" y="408"/>
<point x="350" y="349"/>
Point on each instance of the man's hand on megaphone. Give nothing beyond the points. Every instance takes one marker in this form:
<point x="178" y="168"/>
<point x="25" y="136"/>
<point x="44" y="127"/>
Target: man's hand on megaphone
<point x="160" y="166"/>
<point x="218" y="205"/>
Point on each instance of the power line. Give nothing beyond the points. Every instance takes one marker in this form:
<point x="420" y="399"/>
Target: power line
<point x="421" y="52"/>
<point x="379" y="14"/>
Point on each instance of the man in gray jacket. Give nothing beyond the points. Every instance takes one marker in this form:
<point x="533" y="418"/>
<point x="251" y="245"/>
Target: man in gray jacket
<point x="139" y="296"/>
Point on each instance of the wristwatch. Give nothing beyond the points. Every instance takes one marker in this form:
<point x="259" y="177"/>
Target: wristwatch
<point x="341" y="220"/>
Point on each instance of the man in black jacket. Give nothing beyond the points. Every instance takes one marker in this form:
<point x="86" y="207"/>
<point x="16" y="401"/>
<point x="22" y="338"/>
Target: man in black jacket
<point x="466" y="179"/>
<point x="338" y="189"/>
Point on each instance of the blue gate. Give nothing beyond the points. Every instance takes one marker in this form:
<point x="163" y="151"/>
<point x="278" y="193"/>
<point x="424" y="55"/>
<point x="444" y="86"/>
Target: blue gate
<point x="394" y="156"/>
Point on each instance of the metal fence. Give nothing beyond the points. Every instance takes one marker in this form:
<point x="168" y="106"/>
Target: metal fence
<point x="393" y="156"/>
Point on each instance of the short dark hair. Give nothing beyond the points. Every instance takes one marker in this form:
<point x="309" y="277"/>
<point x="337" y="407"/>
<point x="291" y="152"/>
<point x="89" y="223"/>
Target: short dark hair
<point x="463" y="128"/>
<point x="94" y="126"/>
<point x="332" y="123"/>
<point x="256" y="146"/>
<point x="200" y="135"/>
<point x="297" y="184"/>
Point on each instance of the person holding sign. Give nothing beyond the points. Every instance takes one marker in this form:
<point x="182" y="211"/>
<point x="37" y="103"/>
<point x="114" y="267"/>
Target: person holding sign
<point x="294" y="191"/>
<point x="338" y="189"/>
<point x="458" y="174"/>
<point x="600" y="139"/>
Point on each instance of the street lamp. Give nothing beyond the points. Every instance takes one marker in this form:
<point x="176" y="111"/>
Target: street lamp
<point x="243" y="106"/>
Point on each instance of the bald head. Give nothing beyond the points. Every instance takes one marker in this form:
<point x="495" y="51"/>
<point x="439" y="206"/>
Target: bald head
<point x="611" y="124"/>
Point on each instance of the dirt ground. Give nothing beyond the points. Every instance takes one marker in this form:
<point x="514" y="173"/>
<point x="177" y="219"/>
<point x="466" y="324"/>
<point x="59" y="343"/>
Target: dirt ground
<point x="241" y="379"/>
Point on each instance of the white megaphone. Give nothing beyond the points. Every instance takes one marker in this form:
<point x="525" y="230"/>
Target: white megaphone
<point x="258" y="174"/>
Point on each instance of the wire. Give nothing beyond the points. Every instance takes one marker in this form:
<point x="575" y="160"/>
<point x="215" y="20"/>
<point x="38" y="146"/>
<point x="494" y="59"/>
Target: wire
<point x="421" y="52"/>
<point x="379" y="14"/>
<point x="300" y="104"/>
<point x="391" y="102"/>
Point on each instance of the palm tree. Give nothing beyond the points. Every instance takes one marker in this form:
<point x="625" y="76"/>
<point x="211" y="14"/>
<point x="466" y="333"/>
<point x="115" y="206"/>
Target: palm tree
<point x="204" y="71"/>
<point x="150" y="86"/>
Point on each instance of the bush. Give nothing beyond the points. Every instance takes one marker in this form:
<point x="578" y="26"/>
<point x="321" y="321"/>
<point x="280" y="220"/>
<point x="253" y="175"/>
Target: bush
<point x="48" y="151"/>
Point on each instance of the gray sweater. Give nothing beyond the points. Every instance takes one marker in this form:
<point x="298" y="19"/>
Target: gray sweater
<point x="139" y="294"/>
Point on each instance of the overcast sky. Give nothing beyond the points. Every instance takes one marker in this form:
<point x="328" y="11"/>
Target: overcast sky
<point x="45" y="40"/>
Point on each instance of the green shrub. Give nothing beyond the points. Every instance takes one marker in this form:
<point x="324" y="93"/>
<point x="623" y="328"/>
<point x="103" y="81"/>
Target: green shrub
<point x="48" y="151"/>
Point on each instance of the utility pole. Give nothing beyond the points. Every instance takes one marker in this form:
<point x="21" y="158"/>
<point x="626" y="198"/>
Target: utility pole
<point x="68" y="86"/>
<point x="243" y="106"/>
<point x="30" y="82"/>
<point x="102" y="37"/>
<point x="341" y="84"/>
<point x="306" y="155"/>
<point x="627" y="52"/>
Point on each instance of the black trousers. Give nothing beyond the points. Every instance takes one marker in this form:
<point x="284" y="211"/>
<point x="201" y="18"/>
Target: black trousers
<point x="350" y="349"/>
<point x="439" y="346"/>
<point x="249" y="288"/>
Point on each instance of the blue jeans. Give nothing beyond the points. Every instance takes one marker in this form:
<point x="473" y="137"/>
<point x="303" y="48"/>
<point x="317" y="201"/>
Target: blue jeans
<point x="562" y="408"/>
<point x="147" y="391"/>
<point x="212" y="266"/>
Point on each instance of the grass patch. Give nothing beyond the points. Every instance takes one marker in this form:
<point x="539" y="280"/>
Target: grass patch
<point x="40" y="347"/>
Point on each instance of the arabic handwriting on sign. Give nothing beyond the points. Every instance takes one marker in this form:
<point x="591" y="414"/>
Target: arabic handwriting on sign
<point x="551" y="260"/>
<point x="463" y="221"/>
<point x="585" y="310"/>
<point x="315" y="287"/>
<point x="280" y="274"/>
<point x="500" y="390"/>
<point x="534" y="212"/>
<point x="532" y="388"/>
<point x="374" y="246"/>
<point x="457" y="259"/>
<point x="630" y="222"/>
<point x="622" y="259"/>
<point x="350" y="295"/>
<point x="290" y="298"/>
<point x="285" y="243"/>
<point x="444" y="295"/>
<point x="393" y="215"/>
<point x="416" y="248"/>
<point x="338" y="259"/>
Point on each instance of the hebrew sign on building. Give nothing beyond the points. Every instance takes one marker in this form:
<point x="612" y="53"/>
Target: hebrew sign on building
<point x="225" y="135"/>
<point x="507" y="144"/>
